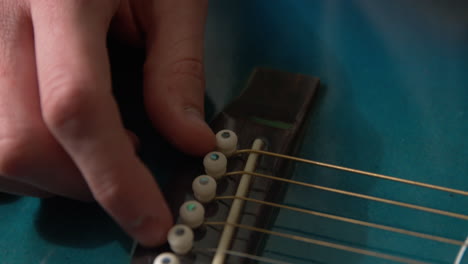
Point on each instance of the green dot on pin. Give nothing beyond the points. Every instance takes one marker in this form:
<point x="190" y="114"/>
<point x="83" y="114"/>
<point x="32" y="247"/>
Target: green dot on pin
<point x="214" y="156"/>
<point x="226" y="134"/>
<point x="180" y="231"/>
<point x="204" y="181"/>
<point x="191" y="207"/>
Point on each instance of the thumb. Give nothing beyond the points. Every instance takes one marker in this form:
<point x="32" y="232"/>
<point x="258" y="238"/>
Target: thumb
<point x="174" y="74"/>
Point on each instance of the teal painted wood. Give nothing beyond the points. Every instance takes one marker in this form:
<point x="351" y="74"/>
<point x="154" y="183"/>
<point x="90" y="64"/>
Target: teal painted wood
<point x="393" y="101"/>
<point x="58" y="231"/>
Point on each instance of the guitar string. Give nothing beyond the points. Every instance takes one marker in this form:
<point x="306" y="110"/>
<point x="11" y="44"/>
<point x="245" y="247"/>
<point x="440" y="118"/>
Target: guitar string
<point x="334" y="245"/>
<point x="362" y="196"/>
<point x="371" y="174"/>
<point x="243" y="255"/>
<point x="348" y="220"/>
<point x="322" y="243"/>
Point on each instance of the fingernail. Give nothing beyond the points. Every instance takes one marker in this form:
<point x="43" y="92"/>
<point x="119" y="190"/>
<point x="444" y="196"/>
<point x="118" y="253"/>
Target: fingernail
<point x="195" y="114"/>
<point x="198" y="138"/>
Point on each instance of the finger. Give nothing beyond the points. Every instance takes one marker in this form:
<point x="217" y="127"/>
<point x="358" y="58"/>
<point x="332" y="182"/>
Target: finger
<point x="124" y="25"/>
<point x="134" y="139"/>
<point x="174" y="74"/>
<point x="79" y="109"/>
<point x="28" y="152"/>
<point x="17" y="188"/>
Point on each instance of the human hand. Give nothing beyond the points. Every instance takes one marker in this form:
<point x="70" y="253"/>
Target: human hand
<point x="60" y="129"/>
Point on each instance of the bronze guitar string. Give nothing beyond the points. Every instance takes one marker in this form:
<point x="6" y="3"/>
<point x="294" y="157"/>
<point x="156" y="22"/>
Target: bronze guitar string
<point x="322" y="243"/>
<point x="371" y="174"/>
<point x="368" y="197"/>
<point x="340" y="218"/>
<point x="349" y="220"/>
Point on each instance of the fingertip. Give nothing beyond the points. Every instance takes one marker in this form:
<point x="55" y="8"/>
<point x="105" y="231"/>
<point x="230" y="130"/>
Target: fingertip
<point x="151" y="231"/>
<point x="193" y="136"/>
<point x="199" y="139"/>
<point x="182" y="125"/>
<point x="143" y="215"/>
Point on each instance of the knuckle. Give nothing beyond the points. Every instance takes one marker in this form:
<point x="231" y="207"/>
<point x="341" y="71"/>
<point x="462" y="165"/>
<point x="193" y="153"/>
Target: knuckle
<point x="192" y="67"/>
<point x="68" y="102"/>
<point x="107" y="194"/>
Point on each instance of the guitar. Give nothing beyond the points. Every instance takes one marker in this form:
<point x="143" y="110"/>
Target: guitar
<point x="392" y="101"/>
<point x="227" y="219"/>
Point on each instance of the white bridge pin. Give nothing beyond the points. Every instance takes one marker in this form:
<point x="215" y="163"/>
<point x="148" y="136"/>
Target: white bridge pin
<point x="204" y="188"/>
<point x="215" y="164"/>
<point x="192" y="214"/>
<point x="166" y="258"/>
<point x="180" y="239"/>
<point x="226" y="142"/>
